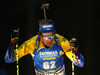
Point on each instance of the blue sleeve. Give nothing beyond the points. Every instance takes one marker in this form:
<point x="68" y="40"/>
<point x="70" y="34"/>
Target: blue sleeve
<point x="79" y="59"/>
<point x="8" y="57"/>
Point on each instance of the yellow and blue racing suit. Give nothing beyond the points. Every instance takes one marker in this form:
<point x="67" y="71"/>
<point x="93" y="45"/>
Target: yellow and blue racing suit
<point x="46" y="60"/>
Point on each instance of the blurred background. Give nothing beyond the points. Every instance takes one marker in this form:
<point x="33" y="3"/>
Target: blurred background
<point x="80" y="18"/>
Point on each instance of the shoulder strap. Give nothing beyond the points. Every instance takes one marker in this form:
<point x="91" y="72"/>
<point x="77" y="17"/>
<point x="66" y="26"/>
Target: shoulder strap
<point x="57" y="42"/>
<point x="36" y="45"/>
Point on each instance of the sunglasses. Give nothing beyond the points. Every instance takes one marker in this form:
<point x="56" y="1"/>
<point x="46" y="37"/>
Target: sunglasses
<point x="48" y="37"/>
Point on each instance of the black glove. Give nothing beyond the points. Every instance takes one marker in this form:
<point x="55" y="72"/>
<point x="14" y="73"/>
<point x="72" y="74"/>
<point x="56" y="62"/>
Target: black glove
<point x="15" y="35"/>
<point x="74" y="44"/>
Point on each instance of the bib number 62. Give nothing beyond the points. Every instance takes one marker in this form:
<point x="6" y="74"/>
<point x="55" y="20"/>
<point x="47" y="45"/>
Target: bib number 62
<point x="49" y="65"/>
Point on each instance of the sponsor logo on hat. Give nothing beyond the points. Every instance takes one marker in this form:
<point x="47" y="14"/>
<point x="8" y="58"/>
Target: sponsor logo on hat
<point x="46" y="26"/>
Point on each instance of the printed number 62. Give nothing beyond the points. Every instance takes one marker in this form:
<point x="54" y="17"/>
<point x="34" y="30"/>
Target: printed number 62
<point x="46" y="65"/>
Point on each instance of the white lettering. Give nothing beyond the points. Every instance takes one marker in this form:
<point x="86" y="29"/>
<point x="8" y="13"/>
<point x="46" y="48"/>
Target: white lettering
<point x="47" y="26"/>
<point x="46" y="53"/>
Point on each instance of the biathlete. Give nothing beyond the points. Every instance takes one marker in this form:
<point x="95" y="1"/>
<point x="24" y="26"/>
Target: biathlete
<point x="47" y="50"/>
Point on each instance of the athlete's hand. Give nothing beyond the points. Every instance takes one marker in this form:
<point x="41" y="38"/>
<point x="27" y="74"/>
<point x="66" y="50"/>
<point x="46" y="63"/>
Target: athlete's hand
<point x="74" y="44"/>
<point x="15" y="35"/>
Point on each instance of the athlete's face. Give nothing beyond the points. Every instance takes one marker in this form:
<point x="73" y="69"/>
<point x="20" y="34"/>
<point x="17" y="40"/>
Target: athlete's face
<point x="48" y="38"/>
